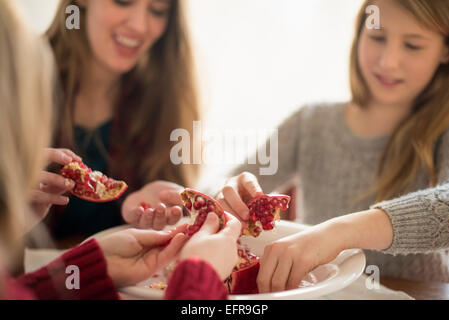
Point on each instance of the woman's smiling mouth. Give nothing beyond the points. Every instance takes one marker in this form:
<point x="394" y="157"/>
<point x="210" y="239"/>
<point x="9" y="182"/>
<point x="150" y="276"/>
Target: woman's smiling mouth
<point x="388" y="81"/>
<point x="127" y="46"/>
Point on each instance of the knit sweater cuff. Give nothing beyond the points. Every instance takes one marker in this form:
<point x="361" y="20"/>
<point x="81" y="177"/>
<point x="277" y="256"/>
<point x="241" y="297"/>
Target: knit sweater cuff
<point x="418" y="221"/>
<point x="195" y="279"/>
<point x="57" y="280"/>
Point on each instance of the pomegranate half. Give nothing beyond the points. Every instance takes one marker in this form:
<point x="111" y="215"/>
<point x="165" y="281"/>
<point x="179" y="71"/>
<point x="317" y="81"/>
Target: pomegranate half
<point x="91" y="185"/>
<point x="199" y="205"/>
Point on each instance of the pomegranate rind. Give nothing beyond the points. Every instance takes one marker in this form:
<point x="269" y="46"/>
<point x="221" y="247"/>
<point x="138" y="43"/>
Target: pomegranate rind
<point x="255" y="227"/>
<point x="243" y="279"/>
<point x="80" y="170"/>
<point x="120" y="191"/>
<point x="190" y="195"/>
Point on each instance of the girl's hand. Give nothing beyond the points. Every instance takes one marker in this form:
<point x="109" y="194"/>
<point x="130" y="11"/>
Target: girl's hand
<point x="52" y="185"/>
<point x="165" y="201"/>
<point x="237" y="192"/>
<point x="134" y="255"/>
<point x="218" y="249"/>
<point x="287" y="261"/>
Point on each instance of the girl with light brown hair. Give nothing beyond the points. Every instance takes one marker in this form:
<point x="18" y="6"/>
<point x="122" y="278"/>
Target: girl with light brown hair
<point x="126" y="82"/>
<point x="387" y="149"/>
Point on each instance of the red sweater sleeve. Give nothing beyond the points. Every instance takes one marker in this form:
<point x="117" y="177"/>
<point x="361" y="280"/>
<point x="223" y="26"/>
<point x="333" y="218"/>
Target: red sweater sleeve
<point x="49" y="282"/>
<point x="195" y="279"/>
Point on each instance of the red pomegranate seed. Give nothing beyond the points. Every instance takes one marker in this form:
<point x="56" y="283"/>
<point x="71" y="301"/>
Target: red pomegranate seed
<point x="199" y="206"/>
<point x="199" y="202"/>
<point x="265" y="208"/>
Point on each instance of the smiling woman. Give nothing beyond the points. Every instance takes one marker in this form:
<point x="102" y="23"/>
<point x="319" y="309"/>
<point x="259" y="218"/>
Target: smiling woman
<point x="123" y="75"/>
<point x="120" y="31"/>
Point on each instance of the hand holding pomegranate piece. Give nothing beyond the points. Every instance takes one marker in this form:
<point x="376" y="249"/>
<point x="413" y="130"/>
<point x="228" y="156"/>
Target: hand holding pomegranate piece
<point x="236" y="194"/>
<point x="215" y="246"/>
<point x="155" y="206"/>
<point x="199" y="206"/>
<point x="134" y="255"/>
<point x="92" y="185"/>
<point x="52" y="185"/>
<point x="203" y="209"/>
<point x="244" y="198"/>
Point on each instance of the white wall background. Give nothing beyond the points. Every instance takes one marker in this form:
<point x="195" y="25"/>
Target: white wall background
<point x="260" y="59"/>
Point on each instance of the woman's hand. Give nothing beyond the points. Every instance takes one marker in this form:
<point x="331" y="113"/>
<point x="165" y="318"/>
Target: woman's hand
<point x="287" y="261"/>
<point x="219" y="249"/>
<point x="237" y="192"/>
<point x="166" y="203"/>
<point x="134" y="255"/>
<point x="52" y="185"/>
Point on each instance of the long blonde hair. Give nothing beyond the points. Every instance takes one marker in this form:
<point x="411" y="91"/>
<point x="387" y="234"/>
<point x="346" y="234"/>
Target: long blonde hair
<point x="156" y="97"/>
<point x="26" y="90"/>
<point x="412" y="145"/>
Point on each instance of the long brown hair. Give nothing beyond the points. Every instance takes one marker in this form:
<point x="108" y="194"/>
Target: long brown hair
<point x="156" y="97"/>
<point x="412" y="145"/>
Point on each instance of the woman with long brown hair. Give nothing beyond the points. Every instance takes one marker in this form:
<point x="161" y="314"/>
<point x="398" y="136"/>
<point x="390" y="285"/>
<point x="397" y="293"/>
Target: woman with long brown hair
<point x="126" y="82"/>
<point x="376" y="151"/>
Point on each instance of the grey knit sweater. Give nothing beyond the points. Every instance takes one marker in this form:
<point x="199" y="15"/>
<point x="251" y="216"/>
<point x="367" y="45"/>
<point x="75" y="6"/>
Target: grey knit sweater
<point x="334" y="166"/>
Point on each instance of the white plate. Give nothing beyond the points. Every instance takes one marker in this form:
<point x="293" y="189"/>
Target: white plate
<point x="323" y="280"/>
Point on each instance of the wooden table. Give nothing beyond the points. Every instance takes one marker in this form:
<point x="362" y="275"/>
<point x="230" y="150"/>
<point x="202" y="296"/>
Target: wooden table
<point x="418" y="290"/>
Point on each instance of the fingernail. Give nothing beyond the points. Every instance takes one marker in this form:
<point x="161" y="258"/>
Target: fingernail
<point x="66" y="158"/>
<point x="69" y="183"/>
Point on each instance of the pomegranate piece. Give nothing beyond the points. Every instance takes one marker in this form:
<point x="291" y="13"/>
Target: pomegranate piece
<point x="243" y="279"/>
<point x="199" y="206"/>
<point x="158" y="286"/>
<point x="264" y="211"/>
<point x="91" y="185"/>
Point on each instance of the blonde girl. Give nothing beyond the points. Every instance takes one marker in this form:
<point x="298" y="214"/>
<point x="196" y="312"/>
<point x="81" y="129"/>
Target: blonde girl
<point x="25" y="130"/>
<point x="377" y="151"/>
